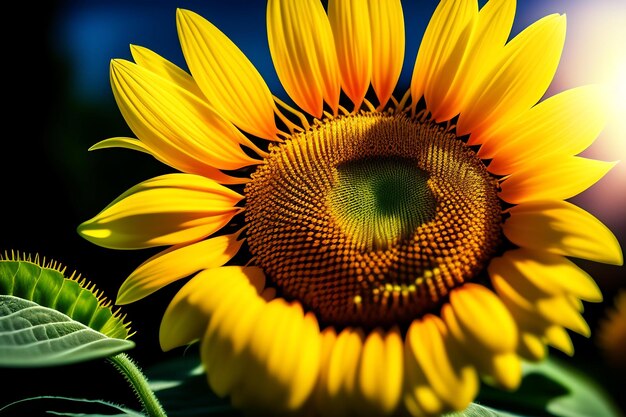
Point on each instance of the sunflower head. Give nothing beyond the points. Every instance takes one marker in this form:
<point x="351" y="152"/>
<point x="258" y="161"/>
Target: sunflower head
<point x="362" y="253"/>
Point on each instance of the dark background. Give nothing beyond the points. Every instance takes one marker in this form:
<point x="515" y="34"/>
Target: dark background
<point x="58" y="102"/>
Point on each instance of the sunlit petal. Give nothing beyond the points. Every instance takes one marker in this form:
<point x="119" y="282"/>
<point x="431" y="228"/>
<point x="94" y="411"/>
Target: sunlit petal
<point x="230" y="82"/>
<point x="561" y="228"/>
<point x="165" y="210"/>
<point x="303" y="50"/>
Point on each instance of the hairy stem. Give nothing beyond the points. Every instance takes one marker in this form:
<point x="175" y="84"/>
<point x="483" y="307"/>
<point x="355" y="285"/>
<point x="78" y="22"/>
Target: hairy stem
<point x="139" y="383"/>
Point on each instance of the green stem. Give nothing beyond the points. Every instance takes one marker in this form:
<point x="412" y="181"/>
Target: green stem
<point x="138" y="381"/>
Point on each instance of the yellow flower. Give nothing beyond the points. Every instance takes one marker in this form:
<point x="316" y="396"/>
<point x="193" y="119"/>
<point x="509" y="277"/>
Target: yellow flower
<point x="383" y="258"/>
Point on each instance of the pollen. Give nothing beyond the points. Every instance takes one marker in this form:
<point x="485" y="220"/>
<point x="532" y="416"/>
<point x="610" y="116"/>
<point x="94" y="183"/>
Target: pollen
<point x="372" y="219"/>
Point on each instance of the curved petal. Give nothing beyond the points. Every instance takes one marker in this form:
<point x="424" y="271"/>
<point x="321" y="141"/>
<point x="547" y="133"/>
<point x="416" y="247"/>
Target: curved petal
<point x="176" y="263"/>
<point x="531" y="347"/>
<point x="229" y="81"/>
<point x="154" y="62"/>
<point x="558" y="179"/>
<point x="165" y="210"/>
<point x="578" y="114"/>
<point x="121" y="142"/>
<point x="303" y="50"/>
<point x="490" y="33"/>
<point x="430" y="346"/>
<point x="483" y="318"/>
<point x="283" y="356"/>
<point x="530" y="322"/>
<point x="227" y="337"/>
<point x="510" y="283"/>
<point x="558" y="337"/>
<point x="137" y="145"/>
<point x="553" y="274"/>
<point x="519" y="79"/>
<point x="561" y="228"/>
<point x="497" y="368"/>
<point x="381" y="371"/>
<point x="187" y="316"/>
<point x="388" y="42"/>
<point x="441" y="50"/>
<point x="169" y="118"/>
<point x="341" y="385"/>
<point x="349" y="20"/>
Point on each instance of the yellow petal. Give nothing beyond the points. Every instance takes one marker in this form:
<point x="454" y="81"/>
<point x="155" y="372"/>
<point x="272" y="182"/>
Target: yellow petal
<point x="510" y="283"/>
<point x="309" y="354"/>
<point x="120" y="142"/>
<point x="303" y="50"/>
<point x="561" y="228"/>
<point x="188" y="314"/>
<point x="578" y="114"/>
<point x="165" y="210"/>
<point x="557" y="179"/>
<point x="524" y="312"/>
<point x="531" y="347"/>
<point x="381" y="371"/>
<point x="560" y="311"/>
<point x="227" y="337"/>
<point x="137" y="145"/>
<point x="328" y="337"/>
<point x="349" y="20"/>
<point x="229" y="81"/>
<point x="441" y="50"/>
<point x="297" y="360"/>
<point x="388" y="41"/>
<point x="483" y="317"/>
<point x="492" y="366"/>
<point x="154" y="62"/>
<point x="176" y="263"/>
<point x="341" y="384"/>
<point x="530" y="324"/>
<point x="269" y="330"/>
<point x="504" y="370"/>
<point x="484" y="49"/>
<point x="169" y="118"/>
<point x="557" y="337"/>
<point x="430" y="345"/>
<point x="420" y="399"/>
<point x="284" y="357"/>
<point x="553" y="274"/>
<point x="519" y="79"/>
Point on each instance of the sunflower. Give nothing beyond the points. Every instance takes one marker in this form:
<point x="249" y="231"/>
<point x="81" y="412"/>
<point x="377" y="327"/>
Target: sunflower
<point x="363" y="253"/>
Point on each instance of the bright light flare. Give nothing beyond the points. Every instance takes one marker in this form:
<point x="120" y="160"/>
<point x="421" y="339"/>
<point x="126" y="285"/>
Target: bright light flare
<point x="595" y="52"/>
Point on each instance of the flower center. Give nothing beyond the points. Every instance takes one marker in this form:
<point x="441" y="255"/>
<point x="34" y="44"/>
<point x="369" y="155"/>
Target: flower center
<point x="372" y="219"/>
<point x="381" y="199"/>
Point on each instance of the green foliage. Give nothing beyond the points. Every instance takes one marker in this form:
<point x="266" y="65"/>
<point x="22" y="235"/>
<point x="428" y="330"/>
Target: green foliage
<point x="66" y="406"/>
<point x="47" y="319"/>
<point x="552" y="388"/>
<point x="34" y="336"/>
<point x="476" y="410"/>
<point x="45" y="285"/>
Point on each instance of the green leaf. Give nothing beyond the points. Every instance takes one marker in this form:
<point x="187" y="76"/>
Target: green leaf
<point x="476" y="410"/>
<point x="45" y="284"/>
<point x="553" y="388"/>
<point x="183" y="389"/>
<point x="85" y="406"/>
<point x="32" y="336"/>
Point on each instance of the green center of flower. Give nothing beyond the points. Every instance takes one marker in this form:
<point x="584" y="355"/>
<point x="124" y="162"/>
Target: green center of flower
<point x="381" y="199"/>
<point x="371" y="219"/>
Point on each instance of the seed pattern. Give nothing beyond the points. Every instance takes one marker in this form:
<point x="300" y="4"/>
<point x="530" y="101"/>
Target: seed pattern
<point x="312" y="249"/>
